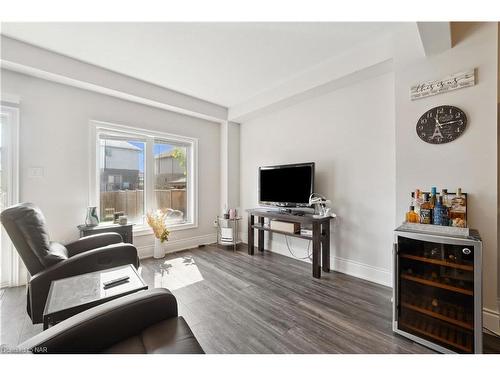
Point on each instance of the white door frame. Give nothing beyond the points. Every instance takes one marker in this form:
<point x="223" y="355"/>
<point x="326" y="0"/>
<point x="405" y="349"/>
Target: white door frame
<point x="10" y="162"/>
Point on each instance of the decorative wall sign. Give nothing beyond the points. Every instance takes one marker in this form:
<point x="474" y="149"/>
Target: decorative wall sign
<point x="450" y="83"/>
<point x="441" y="124"/>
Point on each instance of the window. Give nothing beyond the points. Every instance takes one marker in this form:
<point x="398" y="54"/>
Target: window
<point x="139" y="171"/>
<point x="170" y="179"/>
<point x="121" y="178"/>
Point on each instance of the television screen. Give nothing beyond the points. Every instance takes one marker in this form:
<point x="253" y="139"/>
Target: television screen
<point x="286" y="185"/>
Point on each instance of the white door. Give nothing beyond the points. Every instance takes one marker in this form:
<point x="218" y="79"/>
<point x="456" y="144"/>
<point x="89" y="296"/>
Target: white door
<point x="9" y="275"/>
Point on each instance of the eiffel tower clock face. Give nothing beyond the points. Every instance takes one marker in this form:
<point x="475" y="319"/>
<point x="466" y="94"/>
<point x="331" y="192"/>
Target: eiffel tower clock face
<point x="441" y="124"/>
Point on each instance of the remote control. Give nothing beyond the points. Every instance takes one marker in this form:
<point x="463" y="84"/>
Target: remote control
<point x="115" y="282"/>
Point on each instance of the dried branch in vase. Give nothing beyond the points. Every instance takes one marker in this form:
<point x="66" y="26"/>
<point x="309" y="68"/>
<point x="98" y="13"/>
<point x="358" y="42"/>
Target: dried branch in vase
<point x="156" y="220"/>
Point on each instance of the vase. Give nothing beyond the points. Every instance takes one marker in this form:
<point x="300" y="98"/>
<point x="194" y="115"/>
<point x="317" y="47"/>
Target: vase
<point x="91" y="220"/>
<point x="159" y="250"/>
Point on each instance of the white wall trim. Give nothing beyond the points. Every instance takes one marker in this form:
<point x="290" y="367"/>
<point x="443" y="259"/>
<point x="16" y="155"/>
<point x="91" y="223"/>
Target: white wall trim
<point x="11" y="114"/>
<point x="435" y="37"/>
<point x="363" y="271"/>
<point x="318" y="79"/>
<point x="31" y="59"/>
<point x="173" y="246"/>
<point x="10" y="99"/>
<point x="57" y="78"/>
<point x="491" y="320"/>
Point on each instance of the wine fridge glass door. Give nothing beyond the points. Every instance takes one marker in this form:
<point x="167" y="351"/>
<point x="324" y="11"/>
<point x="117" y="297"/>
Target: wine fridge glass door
<point x="435" y="296"/>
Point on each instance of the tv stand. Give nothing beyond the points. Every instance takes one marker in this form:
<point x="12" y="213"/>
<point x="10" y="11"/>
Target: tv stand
<point x="289" y="211"/>
<point x="320" y="236"/>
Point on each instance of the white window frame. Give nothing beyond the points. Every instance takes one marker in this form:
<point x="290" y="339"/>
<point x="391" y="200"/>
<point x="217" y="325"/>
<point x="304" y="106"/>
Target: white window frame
<point x="11" y="161"/>
<point x="148" y="136"/>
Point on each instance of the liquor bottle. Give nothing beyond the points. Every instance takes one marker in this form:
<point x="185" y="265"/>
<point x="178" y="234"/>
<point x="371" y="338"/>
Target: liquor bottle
<point x="446" y="198"/>
<point x="458" y="209"/>
<point x="418" y="201"/>
<point x="433" y="198"/>
<point x="440" y="213"/>
<point x="411" y="216"/>
<point x="426" y="211"/>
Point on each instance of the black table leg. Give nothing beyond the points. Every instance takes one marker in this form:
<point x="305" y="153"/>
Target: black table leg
<point x="316" y="269"/>
<point x="250" y="234"/>
<point x="261" y="234"/>
<point x="325" y="246"/>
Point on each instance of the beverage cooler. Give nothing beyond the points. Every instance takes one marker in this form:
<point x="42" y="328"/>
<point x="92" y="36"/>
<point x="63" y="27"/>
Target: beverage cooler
<point x="437" y="290"/>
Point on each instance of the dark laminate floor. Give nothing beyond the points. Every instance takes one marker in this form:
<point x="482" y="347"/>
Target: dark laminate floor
<point x="267" y="303"/>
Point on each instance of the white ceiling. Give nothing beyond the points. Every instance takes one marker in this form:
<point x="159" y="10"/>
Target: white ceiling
<point x="225" y="63"/>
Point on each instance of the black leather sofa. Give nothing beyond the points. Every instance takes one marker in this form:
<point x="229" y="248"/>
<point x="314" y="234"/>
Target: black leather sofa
<point x="141" y="323"/>
<point x="48" y="260"/>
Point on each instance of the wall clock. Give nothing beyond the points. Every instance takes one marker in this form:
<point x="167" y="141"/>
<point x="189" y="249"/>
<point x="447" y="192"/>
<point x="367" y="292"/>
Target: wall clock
<point x="441" y="124"/>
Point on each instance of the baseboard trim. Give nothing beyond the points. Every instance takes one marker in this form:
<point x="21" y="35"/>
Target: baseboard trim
<point x="491" y="320"/>
<point x="362" y="271"/>
<point x="178" y="245"/>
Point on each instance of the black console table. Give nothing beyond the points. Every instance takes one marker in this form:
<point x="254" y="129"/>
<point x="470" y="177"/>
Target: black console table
<point x="320" y="236"/>
<point x="124" y="230"/>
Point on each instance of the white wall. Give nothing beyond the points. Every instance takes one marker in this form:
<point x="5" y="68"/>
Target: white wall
<point x="54" y="135"/>
<point x="349" y="133"/>
<point x="470" y="161"/>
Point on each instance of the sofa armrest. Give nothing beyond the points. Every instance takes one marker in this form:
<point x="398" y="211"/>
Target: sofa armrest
<point x="92" y="242"/>
<point x="100" y="327"/>
<point x="93" y="260"/>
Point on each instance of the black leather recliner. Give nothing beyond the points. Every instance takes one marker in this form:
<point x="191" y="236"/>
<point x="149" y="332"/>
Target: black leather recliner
<point x="47" y="260"/>
<point x="140" y="323"/>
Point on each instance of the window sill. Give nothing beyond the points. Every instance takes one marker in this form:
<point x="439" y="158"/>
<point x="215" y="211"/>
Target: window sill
<point x="145" y="230"/>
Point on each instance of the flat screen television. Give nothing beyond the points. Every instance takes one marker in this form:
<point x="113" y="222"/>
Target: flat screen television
<point x="287" y="185"/>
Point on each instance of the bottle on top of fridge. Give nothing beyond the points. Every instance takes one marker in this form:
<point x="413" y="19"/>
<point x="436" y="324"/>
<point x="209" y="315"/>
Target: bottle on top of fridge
<point x="433" y="198"/>
<point x="440" y="213"/>
<point x="458" y="210"/>
<point x="411" y="216"/>
<point x="426" y="211"/>
<point x="418" y="201"/>
<point x="446" y="198"/>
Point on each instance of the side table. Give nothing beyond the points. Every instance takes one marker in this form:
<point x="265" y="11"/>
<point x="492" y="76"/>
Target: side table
<point x="72" y="295"/>
<point x="124" y="230"/>
<point x="228" y="231"/>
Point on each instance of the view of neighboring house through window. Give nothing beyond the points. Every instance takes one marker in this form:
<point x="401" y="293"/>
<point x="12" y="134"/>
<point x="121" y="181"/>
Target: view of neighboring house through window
<point x="141" y="172"/>
<point x="122" y="179"/>
<point x="170" y="178"/>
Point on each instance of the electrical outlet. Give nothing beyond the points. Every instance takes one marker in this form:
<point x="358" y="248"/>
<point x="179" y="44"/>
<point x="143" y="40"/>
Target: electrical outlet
<point x="35" y="172"/>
